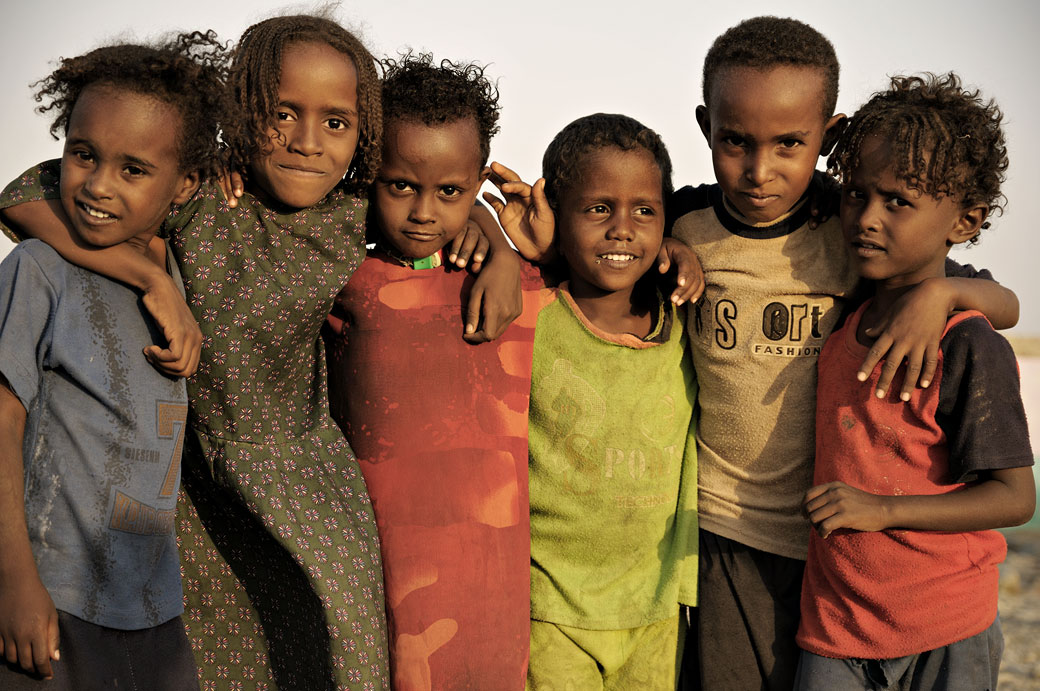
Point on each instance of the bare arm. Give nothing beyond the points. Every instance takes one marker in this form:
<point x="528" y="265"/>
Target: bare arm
<point x="1001" y="499"/>
<point x="914" y="326"/>
<point x="496" y="299"/>
<point x="28" y="620"/>
<point x="46" y="220"/>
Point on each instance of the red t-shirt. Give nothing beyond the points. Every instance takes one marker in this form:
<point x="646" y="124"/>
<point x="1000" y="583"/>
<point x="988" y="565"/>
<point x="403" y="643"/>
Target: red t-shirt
<point x="892" y="593"/>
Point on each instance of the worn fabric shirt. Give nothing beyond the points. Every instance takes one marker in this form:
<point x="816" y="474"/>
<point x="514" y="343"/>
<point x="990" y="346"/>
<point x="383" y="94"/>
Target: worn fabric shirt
<point x="103" y="438"/>
<point x="772" y="295"/>
<point x="439" y="426"/>
<point x="612" y="471"/>
<point x="893" y="592"/>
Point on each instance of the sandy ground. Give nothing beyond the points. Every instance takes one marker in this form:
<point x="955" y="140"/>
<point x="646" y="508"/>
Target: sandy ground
<point x="1020" y="612"/>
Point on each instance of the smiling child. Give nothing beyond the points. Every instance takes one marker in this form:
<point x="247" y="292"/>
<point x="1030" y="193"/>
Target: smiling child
<point x="91" y="435"/>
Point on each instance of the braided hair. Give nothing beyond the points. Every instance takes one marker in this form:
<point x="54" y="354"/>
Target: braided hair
<point x="256" y="72"/>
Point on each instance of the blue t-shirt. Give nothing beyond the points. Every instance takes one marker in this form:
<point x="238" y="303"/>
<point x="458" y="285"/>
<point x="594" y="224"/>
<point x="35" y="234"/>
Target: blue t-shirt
<point x="103" y="438"/>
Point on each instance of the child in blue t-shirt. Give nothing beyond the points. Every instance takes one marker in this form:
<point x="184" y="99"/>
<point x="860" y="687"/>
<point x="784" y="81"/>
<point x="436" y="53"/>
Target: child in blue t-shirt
<point x="90" y="433"/>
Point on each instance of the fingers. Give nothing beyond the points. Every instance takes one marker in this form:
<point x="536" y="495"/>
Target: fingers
<point x="874" y="355"/>
<point x="476" y="299"/>
<point x="494" y="202"/>
<point x="170" y="362"/>
<point x="541" y="202"/>
<point x="501" y="174"/>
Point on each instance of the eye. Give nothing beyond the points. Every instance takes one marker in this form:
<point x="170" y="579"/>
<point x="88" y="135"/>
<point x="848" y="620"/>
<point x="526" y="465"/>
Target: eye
<point x="283" y="115"/>
<point x="898" y="202"/>
<point x="82" y="155"/>
<point x="791" y="143"/>
<point x="337" y="124"/>
<point x="451" y="191"/>
<point x="733" y="140"/>
<point x="853" y="195"/>
<point x="135" y="171"/>
<point x="400" y="186"/>
<point x="598" y="209"/>
<point x="646" y="211"/>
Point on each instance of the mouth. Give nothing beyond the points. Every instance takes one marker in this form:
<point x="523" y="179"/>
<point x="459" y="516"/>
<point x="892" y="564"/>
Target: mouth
<point x="758" y="199"/>
<point x="420" y="236"/>
<point x="866" y="248"/>
<point x="300" y="170"/>
<point x="98" y="215"/>
<point x="617" y="260"/>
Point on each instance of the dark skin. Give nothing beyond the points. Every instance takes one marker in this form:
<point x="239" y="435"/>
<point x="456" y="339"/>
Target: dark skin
<point x="28" y="619"/>
<point x="766" y="131"/>
<point x="495" y="300"/>
<point x="901" y="237"/>
<point x="530" y="223"/>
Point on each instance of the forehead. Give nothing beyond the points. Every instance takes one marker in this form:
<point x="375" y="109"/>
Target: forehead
<point x="133" y="123"/>
<point x="442" y="145"/>
<point x="782" y="94"/>
<point x="615" y="172"/>
<point x="318" y="68"/>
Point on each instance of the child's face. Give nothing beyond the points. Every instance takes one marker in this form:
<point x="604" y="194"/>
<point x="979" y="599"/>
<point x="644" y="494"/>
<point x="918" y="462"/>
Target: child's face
<point x="120" y="168"/>
<point x="766" y="130"/>
<point x="316" y="129"/>
<point x="897" y="235"/>
<point x="612" y="221"/>
<point x="427" y="184"/>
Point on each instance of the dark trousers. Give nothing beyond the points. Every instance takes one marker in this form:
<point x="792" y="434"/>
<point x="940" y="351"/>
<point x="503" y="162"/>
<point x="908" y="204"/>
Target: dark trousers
<point x="97" y="658"/>
<point x="742" y="631"/>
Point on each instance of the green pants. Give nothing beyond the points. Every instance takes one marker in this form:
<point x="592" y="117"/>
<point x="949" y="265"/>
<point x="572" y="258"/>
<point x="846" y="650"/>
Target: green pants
<point x="564" y="658"/>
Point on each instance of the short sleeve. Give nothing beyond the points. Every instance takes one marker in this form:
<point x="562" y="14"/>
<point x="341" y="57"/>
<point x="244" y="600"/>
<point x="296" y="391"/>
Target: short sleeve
<point x="28" y="301"/>
<point x="980" y="403"/>
<point x="36" y="184"/>
<point x="955" y="270"/>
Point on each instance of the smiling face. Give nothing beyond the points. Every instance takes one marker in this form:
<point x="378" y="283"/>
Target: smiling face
<point x="316" y="125"/>
<point x="611" y="222"/>
<point x="898" y="235"/>
<point x="120" y="168"/>
<point x="427" y="183"/>
<point x="766" y="129"/>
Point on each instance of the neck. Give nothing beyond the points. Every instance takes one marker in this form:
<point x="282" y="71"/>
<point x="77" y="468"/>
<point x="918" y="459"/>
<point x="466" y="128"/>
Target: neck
<point x="630" y="311"/>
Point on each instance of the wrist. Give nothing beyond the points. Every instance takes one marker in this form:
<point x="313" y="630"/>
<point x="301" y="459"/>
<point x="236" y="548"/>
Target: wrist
<point x="944" y="289"/>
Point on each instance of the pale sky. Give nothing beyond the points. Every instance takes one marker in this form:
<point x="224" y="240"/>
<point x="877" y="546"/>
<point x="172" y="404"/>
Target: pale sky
<point x="556" y="61"/>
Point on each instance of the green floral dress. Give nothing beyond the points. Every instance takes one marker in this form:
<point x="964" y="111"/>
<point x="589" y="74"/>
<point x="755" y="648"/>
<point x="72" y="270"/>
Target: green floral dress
<point x="279" y="550"/>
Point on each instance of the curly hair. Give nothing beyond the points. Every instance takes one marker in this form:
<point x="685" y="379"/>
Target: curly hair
<point x="765" y="42"/>
<point x="946" y="140"/>
<point x="418" y="90"/>
<point x="563" y="159"/>
<point x="186" y="72"/>
<point x="256" y="71"/>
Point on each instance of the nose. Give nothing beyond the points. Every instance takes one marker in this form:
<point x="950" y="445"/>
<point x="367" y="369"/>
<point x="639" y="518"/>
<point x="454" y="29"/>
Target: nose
<point x="98" y="184"/>
<point x="421" y="210"/>
<point x="868" y="217"/>
<point x="758" y="167"/>
<point x="622" y="229"/>
<point x="305" y="138"/>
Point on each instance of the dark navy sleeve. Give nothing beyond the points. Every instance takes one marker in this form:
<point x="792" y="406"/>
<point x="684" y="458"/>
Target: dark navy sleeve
<point x="980" y="404"/>
<point x="955" y="270"/>
<point x="683" y="201"/>
<point x="28" y="301"/>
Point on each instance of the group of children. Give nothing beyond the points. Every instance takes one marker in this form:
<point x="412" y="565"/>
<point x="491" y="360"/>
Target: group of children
<point x="616" y="492"/>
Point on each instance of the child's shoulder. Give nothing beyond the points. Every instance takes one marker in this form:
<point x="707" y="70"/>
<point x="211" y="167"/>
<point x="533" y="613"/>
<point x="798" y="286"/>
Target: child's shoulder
<point x="689" y="199"/>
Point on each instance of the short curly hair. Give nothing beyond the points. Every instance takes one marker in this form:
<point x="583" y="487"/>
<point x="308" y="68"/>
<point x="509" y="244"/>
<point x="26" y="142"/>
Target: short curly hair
<point x="766" y="42"/>
<point x="946" y="140"/>
<point x="417" y="89"/>
<point x="186" y="72"/>
<point x="563" y="159"/>
<point x="256" y="71"/>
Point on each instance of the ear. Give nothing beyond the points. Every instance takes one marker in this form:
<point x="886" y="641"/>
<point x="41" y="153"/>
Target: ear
<point x="187" y="186"/>
<point x="968" y="225"/>
<point x="831" y="131"/>
<point x="704" y="121"/>
<point x="485" y="173"/>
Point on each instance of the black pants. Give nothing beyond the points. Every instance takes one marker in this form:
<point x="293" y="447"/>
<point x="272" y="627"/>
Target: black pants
<point x="97" y="658"/>
<point x="742" y="632"/>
